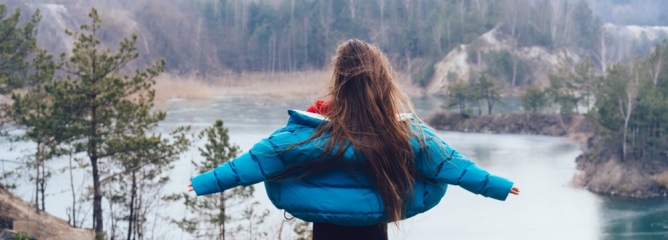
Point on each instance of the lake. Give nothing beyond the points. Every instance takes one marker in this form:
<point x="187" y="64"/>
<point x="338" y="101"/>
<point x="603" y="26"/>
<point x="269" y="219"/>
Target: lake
<point x="542" y="167"/>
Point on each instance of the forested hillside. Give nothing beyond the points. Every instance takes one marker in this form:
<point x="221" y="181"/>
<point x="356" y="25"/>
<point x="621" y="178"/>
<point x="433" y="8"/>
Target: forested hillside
<point x="213" y="37"/>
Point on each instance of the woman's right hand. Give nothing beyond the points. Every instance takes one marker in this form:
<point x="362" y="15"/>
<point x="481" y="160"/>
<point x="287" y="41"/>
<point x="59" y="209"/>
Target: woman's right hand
<point x="190" y="187"/>
<point x="515" y="191"/>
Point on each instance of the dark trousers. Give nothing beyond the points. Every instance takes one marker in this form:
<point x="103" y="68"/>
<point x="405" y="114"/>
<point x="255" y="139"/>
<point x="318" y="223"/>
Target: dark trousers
<point x="327" y="231"/>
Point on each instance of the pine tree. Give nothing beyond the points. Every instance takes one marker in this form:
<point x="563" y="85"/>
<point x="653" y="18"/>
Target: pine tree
<point x="585" y="79"/>
<point x="459" y="94"/>
<point x="16" y="44"/>
<point x="254" y="218"/>
<point x="34" y="112"/>
<point x="142" y="175"/>
<point x="109" y="113"/>
<point x="563" y="90"/>
<point x="214" y="209"/>
<point x="533" y="99"/>
<point x="489" y="90"/>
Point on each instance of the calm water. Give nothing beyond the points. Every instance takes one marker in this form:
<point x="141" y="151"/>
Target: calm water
<point x="548" y="208"/>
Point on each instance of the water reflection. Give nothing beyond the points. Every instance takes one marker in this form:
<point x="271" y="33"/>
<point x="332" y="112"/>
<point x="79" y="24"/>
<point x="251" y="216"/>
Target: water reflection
<point x="633" y="219"/>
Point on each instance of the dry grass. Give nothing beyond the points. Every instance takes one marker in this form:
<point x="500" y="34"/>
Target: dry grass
<point x="407" y="85"/>
<point x="169" y="86"/>
<point x="661" y="179"/>
<point x="310" y="84"/>
<point x="284" y="84"/>
<point x="303" y="84"/>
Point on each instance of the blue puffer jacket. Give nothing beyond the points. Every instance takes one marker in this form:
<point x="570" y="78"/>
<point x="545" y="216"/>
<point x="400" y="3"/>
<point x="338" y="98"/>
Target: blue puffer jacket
<point x="337" y="196"/>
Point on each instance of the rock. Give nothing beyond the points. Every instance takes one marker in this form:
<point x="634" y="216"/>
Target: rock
<point x="456" y="65"/>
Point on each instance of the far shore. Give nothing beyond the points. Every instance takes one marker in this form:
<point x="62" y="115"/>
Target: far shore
<point x="600" y="168"/>
<point x="303" y="84"/>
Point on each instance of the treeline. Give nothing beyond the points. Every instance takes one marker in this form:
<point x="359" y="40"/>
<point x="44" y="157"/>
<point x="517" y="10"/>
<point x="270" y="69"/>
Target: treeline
<point x="210" y="37"/>
<point x="632" y="107"/>
<point x="294" y="35"/>
<point x="481" y="92"/>
<point x="82" y="111"/>
<point x="629" y="104"/>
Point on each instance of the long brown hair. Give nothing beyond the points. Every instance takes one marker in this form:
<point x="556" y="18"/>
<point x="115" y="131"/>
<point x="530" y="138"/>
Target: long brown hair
<point x="363" y="107"/>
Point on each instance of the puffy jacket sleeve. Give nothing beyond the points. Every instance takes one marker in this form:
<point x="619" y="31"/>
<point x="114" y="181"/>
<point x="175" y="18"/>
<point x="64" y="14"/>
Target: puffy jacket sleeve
<point x="446" y="165"/>
<point x="261" y="162"/>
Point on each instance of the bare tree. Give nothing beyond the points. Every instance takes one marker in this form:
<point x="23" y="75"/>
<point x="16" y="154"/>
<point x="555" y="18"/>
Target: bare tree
<point x="351" y="6"/>
<point x="602" y="54"/>
<point x="659" y="64"/>
<point x="627" y="103"/>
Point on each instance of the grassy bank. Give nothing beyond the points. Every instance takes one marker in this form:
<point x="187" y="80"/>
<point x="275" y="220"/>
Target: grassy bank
<point x="310" y="84"/>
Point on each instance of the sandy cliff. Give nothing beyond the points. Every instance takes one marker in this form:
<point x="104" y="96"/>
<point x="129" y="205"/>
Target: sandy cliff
<point x="22" y="217"/>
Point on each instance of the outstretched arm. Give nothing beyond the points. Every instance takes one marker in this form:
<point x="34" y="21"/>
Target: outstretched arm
<point x="260" y="163"/>
<point x="449" y="166"/>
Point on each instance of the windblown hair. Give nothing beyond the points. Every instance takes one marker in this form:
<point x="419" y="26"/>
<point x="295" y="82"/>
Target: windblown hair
<point x="363" y="114"/>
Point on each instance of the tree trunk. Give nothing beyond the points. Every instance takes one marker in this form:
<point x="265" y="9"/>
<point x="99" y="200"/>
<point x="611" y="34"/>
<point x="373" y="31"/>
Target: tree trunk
<point x="292" y="10"/>
<point x="140" y="210"/>
<point x="222" y="213"/>
<point x="97" y="192"/>
<point x="561" y="122"/>
<point x="113" y="220"/>
<point x="93" y="139"/>
<point x="460" y="6"/>
<point x="626" y="126"/>
<point x="37" y="158"/>
<point x="409" y="65"/>
<point x="280" y="230"/>
<point x="490" y="105"/>
<point x="74" y="198"/>
<point x="626" y="113"/>
<point x="133" y="191"/>
<point x="635" y="134"/>
<point x="382" y="20"/>
<point x="514" y="70"/>
<point x="43" y="185"/>
<point x="448" y="27"/>
<point x="587" y="94"/>
<point x="657" y="70"/>
<point x="305" y="26"/>
<point x="479" y="56"/>
<point x="604" y="51"/>
<point x="97" y="200"/>
<point x="567" y="23"/>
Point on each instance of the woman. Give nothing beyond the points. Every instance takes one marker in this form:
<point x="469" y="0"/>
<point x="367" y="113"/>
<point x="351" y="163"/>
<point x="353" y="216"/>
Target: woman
<point x="353" y="164"/>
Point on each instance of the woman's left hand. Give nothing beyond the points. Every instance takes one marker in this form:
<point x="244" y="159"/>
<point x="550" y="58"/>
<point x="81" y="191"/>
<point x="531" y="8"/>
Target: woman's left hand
<point x="190" y="187"/>
<point x="515" y="191"/>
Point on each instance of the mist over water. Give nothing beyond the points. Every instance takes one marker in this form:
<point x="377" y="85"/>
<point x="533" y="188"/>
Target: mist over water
<point x="542" y="167"/>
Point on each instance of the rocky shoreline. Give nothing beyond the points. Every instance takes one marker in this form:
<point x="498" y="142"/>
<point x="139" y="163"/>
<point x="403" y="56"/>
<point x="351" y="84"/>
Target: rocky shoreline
<point x="600" y="165"/>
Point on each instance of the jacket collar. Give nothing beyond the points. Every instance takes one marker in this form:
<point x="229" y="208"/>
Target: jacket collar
<point x="306" y="118"/>
<point x="314" y="119"/>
